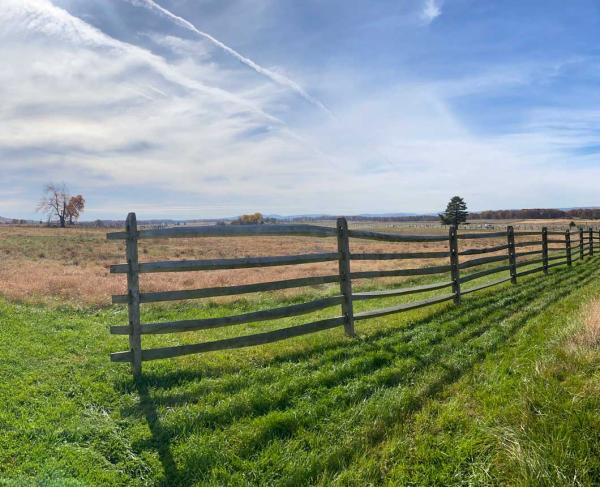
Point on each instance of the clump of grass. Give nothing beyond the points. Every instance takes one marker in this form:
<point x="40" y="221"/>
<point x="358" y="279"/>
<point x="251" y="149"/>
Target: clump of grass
<point x="587" y="337"/>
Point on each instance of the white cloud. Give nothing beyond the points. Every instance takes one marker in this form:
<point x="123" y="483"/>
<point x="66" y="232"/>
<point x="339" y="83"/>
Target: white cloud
<point x="77" y="98"/>
<point x="185" y="135"/>
<point x="272" y="75"/>
<point x="432" y="9"/>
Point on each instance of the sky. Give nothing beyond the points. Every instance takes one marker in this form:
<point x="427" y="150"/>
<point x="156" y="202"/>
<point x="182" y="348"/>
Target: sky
<point x="213" y="108"/>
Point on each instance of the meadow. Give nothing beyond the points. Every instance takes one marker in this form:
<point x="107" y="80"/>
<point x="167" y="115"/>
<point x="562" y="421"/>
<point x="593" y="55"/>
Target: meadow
<point x="504" y="389"/>
<point x="53" y="266"/>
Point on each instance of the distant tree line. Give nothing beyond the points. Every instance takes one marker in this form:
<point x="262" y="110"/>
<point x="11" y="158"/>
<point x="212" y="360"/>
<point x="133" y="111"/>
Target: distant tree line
<point x="537" y="213"/>
<point x="364" y="218"/>
<point x="523" y="214"/>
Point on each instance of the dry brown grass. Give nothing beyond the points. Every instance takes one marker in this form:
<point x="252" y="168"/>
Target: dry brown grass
<point x="58" y="265"/>
<point x="587" y="337"/>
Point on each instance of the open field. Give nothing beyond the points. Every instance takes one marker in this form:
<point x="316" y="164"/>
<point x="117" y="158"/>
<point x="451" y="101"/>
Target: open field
<point x="502" y="390"/>
<point x="51" y="265"/>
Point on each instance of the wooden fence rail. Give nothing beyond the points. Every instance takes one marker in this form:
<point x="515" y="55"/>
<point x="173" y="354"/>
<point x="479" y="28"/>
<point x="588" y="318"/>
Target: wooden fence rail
<point x="554" y="248"/>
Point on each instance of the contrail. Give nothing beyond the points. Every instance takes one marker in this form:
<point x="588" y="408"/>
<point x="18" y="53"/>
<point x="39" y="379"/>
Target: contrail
<point x="44" y="17"/>
<point x="275" y="77"/>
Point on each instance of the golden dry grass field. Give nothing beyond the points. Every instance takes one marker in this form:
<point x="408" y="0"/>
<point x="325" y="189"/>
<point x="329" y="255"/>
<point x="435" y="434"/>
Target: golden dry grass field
<point x="52" y="265"/>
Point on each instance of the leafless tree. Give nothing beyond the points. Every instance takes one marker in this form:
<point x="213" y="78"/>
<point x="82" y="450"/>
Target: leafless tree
<point x="55" y="203"/>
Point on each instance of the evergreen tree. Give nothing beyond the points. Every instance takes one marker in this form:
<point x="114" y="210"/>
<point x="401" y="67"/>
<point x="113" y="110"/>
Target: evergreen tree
<point x="456" y="212"/>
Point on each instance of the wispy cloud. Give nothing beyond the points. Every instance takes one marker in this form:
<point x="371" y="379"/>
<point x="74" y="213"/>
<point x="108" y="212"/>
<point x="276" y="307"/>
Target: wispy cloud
<point x="273" y="76"/>
<point x="149" y="117"/>
<point x="43" y="17"/>
<point x="432" y="9"/>
<point x="111" y="117"/>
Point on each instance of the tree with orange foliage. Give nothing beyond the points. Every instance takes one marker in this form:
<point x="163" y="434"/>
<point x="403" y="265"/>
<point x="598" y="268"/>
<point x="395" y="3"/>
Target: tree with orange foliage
<point x="75" y="208"/>
<point x="57" y="203"/>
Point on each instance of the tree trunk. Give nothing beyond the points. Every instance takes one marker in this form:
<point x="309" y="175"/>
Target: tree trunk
<point x="62" y="221"/>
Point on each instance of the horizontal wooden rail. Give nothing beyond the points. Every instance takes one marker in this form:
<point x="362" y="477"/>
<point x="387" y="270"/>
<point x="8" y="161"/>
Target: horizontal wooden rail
<point x="556" y="241"/>
<point x="402" y="307"/>
<point x="422" y="271"/>
<point x="220" y="264"/>
<point x="522" y="234"/>
<point x="556" y="257"/>
<point x="485" y="285"/>
<point x="556" y="264"/>
<point x="487" y="272"/>
<point x="394" y="237"/>
<point x="210" y="323"/>
<point x="486" y="250"/>
<point x="471" y="236"/>
<point x="229" y="343"/>
<point x="531" y="252"/>
<point x="531" y="262"/>
<point x="228" y="290"/>
<point x="400" y="256"/>
<point x="528" y="244"/>
<point x="481" y="261"/>
<point x="231" y="231"/>
<point x="361" y="296"/>
<point x="530" y="271"/>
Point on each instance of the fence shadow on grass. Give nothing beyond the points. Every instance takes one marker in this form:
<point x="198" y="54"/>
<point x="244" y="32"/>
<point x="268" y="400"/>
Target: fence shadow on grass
<point x="448" y="341"/>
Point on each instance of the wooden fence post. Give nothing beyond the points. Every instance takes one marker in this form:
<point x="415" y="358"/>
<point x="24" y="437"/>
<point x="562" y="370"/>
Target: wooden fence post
<point x="591" y="242"/>
<point x="345" y="279"/>
<point x="512" y="256"/>
<point x="568" y="246"/>
<point x="581" y="251"/>
<point x="133" y="294"/>
<point x="545" y="249"/>
<point x="454" y="271"/>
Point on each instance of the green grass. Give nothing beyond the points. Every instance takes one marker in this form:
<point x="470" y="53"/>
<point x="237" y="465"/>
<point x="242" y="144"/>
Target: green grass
<point x="484" y="393"/>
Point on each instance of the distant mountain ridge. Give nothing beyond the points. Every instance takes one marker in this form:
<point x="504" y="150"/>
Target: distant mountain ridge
<point x="4" y="220"/>
<point x="585" y="212"/>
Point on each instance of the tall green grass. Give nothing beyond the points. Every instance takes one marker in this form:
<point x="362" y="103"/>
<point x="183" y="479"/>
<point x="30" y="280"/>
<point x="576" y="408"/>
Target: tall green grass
<point x="483" y="393"/>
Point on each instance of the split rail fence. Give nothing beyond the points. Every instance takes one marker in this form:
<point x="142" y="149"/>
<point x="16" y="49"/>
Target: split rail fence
<point x="555" y="248"/>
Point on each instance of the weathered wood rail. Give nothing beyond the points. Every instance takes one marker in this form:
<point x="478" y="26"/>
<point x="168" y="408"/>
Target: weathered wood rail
<point x="555" y="248"/>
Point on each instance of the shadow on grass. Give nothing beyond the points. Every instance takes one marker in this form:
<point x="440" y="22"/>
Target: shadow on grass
<point x="445" y="341"/>
<point x="160" y="440"/>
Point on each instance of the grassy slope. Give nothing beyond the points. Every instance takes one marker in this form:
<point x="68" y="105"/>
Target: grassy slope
<point x="480" y="393"/>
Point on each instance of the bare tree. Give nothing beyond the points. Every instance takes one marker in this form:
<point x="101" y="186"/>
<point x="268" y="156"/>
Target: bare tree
<point x="55" y="202"/>
<point x="75" y="208"/>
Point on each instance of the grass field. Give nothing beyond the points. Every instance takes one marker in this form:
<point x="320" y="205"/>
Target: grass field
<point x="504" y="389"/>
<point x="54" y="266"/>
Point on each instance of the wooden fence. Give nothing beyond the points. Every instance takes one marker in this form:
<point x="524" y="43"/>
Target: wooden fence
<point x="555" y="248"/>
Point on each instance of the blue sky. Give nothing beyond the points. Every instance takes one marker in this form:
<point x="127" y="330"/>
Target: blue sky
<point x="207" y="108"/>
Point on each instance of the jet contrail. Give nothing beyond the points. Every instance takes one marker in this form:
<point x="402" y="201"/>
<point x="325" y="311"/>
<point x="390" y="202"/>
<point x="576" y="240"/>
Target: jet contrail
<point x="44" y="17"/>
<point x="275" y="77"/>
